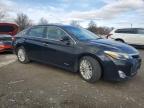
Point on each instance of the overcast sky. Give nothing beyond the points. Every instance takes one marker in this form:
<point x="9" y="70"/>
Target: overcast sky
<point x="112" y="13"/>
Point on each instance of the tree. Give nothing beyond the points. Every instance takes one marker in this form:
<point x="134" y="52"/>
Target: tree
<point x="2" y="15"/>
<point x="98" y="30"/>
<point x="75" y="23"/>
<point x="92" y="24"/>
<point x="103" y="30"/>
<point x="43" y="21"/>
<point x="23" y="21"/>
<point x="92" y="27"/>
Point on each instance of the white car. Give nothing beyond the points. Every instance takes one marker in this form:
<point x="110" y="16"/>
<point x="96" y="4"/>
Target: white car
<point x="132" y="36"/>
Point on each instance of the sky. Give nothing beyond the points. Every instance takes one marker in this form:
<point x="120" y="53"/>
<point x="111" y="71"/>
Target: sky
<point x="111" y="13"/>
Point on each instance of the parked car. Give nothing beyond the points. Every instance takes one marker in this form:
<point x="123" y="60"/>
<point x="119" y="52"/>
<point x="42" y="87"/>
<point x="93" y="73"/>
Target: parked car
<point x="78" y="50"/>
<point x="7" y="32"/>
<point x="132" y="36"/>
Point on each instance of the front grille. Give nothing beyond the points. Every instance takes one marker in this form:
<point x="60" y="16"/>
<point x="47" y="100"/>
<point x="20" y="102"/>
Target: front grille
<point x="135" y="56"/>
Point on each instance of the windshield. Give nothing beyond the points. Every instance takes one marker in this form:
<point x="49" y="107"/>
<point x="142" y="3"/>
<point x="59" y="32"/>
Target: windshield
<point x="8" y="29"/>
<point x="81" y="34"/>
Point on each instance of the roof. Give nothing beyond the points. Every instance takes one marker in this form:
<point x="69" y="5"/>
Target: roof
<point x="58" y="25"/>
<point x="128" y="28"/>
<point x="13" y="24"/>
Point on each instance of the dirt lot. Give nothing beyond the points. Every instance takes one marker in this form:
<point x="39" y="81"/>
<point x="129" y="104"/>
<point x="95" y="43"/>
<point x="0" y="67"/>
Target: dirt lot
<point x="38" y="85"/>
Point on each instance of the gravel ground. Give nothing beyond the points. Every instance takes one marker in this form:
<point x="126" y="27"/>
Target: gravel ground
<point x="6" y="58"/>
<point x="37" y="85"/>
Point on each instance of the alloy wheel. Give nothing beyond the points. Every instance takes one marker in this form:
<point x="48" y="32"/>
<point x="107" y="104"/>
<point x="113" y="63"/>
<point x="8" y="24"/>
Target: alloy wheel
<point x="21" y="55"/>
<point x="86" y="69"/>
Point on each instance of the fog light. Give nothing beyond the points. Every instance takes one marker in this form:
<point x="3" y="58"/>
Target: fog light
<point x="121" y="74"/>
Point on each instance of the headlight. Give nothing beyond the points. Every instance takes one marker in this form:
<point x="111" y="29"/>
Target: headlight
<point x="117" y="55"/>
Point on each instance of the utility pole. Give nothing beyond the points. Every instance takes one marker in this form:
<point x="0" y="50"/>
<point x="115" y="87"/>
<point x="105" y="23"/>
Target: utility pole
<point x="131" y="25"/>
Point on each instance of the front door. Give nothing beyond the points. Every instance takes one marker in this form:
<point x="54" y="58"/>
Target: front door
<point x="57" y="51"/>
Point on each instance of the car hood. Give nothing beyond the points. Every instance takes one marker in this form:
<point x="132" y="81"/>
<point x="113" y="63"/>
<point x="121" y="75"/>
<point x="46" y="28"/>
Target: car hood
<point x="112" y="45"/>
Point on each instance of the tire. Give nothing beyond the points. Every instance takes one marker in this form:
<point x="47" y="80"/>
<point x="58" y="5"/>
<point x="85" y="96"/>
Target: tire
<point x="22" y="56"/>
<point x="90" y="69"/>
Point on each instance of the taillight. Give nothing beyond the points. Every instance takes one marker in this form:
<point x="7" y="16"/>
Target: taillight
<point x="109" y="35"/>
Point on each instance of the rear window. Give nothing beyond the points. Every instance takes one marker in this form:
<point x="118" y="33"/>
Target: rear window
<point x="36" y="31"/>
<point x="128" y="31"/>
<point x="6" y="28"/>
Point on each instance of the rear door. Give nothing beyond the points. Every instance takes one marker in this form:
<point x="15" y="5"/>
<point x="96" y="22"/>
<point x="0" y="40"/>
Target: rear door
<point x="128" y="35"/>
<point x="34" y="42"/>
<point x="140" y="37"/>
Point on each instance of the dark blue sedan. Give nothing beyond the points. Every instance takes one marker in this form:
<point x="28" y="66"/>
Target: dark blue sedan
<point x="78" y="50"/>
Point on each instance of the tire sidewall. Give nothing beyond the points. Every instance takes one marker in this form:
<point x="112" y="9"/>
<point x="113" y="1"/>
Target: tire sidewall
<point x="96" y="69"/>
<point x="26" y="58"/>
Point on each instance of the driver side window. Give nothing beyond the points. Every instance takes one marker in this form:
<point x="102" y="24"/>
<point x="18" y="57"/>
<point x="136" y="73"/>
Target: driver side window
<point x="55" y="33"/>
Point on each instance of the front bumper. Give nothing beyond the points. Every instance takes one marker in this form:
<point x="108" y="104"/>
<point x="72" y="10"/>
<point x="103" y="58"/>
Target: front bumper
<point x="128" y="68"/>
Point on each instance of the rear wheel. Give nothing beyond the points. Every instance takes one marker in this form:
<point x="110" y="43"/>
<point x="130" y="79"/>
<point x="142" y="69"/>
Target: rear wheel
<point x="22" y="56"/>
<point x="90" y="69"/>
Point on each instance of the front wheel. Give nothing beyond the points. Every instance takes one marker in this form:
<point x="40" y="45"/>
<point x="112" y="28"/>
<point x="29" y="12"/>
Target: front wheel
<point x="90" y="69"/>
<point x="22" y="56"/>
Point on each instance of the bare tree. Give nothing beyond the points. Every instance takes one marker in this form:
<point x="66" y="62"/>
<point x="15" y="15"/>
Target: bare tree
<point x="92" y="27"/>
<point x="75" y="23"/>
<point x="98" y="30"/>
<point x="43" y="21"/>
<point x="2" y="15"/>
<point x="23" y="21"/>
<point x="92" y="24"/>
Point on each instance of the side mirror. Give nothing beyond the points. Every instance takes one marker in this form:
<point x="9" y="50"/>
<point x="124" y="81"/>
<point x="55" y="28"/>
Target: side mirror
<point x="66" y="40"/>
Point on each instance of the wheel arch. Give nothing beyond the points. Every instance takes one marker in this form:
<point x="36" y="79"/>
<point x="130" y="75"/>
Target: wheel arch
<point x="16" y="47"/>
<point x="119" y="39"/>
<point x="76" y="68"/>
